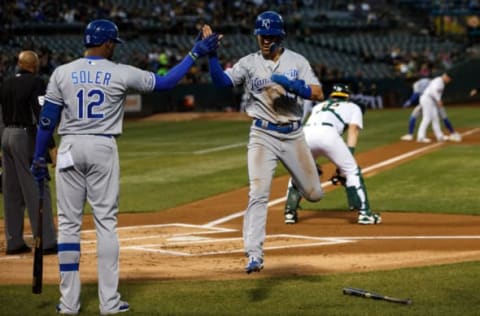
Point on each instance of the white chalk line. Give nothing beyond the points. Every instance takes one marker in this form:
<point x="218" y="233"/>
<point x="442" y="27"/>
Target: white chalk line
<point x="179" y="239"/>
<point x="328" y="183"/>
<point x="220" y="148"/>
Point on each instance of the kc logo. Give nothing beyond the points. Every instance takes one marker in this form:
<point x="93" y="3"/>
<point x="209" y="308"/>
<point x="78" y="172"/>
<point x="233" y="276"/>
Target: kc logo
<point x="266" y="23"/>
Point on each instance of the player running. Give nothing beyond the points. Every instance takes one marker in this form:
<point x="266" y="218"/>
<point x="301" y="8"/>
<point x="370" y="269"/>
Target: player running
<point x="276" y="80"/>
<point x="323" y="131"/>
<point x="86" y="97"/>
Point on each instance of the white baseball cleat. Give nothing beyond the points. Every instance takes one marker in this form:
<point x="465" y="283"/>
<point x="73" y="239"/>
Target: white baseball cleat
<point x="424" y="140"/>
<point x="455" y="137"/>
<point x="407" y="137"/>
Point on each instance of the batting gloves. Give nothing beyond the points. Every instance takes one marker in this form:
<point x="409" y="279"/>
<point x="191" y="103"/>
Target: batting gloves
<point x="39" y="169"/>
<point x="297" y="87"/>
<point x="204" y="47"/>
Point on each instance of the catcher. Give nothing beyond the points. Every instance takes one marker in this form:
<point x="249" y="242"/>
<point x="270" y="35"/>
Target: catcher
<point x="323" y="131"/>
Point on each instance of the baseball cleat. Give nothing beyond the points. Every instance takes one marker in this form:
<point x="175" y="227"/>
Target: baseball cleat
<point x="254" y="265"/>
<point x="424" y="140"/>
<point x="63" y="311"/>
<point x="369" y="218"/>
<point x="124" y="307"/>
<point x="290" y="217"/>
<point x="455" y="137"/>
<point x="407" y="137"/>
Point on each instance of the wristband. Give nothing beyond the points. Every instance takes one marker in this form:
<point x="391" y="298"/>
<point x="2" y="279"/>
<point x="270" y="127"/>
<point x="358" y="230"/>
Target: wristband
<point x="193" y="55"/>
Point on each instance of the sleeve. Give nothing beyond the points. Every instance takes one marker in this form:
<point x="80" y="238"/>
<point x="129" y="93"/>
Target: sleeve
<point x="239" y="72"/>
<point x="357" y="117"/>
<point x="53" y="93"/>
<point x="37" y="96"/>
<point x="138" y="79"/>
<point x="307" y="74"/>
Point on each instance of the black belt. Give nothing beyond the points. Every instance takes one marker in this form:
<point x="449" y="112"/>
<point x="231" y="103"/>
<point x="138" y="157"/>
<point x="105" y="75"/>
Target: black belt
<point x="281" y="128"/>
<point x="19" y="126"/>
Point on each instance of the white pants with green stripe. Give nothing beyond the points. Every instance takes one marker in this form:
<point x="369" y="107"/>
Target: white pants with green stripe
<point x="325" y="141"/>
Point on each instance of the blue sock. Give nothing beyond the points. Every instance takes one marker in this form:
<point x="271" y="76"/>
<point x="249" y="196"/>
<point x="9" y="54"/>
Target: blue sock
<point x="411" y="124"/>
<point x="448" y="125"/>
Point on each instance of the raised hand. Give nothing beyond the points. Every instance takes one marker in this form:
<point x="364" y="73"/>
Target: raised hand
<point x="205" y="46"/>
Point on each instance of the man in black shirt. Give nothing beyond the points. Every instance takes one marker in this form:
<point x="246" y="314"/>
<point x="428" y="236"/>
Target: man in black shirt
<point x="20" y="98"/>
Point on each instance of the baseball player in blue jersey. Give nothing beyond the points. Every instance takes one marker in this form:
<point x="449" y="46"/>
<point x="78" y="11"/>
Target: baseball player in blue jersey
<point x="276" y="80"/>
<point x="86" y="99"/>
<point x="323" y="132"/>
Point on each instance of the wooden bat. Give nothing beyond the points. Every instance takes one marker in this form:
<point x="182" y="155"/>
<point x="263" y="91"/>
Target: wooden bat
<point x="375" y="296"/>
<point x="38" y="255"/>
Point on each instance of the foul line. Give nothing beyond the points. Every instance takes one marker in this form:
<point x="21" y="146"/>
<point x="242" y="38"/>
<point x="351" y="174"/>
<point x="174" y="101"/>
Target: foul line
<point x="211" y="150"/>
<point x="327" y="183"/>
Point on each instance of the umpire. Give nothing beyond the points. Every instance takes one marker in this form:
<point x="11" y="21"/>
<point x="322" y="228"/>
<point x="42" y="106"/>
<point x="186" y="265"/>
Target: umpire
<point x="20" y="98"/>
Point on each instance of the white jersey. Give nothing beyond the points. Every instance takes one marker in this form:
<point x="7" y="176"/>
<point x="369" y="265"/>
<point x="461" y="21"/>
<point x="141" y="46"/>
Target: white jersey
<point x="434" y="90"/>
<point x="336" y="113"/>
<point x="92" y="92"/>
<point x="420" y="85"/>
<point x="266" y="99"/>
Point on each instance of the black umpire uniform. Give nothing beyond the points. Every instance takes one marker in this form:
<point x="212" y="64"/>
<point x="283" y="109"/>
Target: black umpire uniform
<point x="19" y="97"/>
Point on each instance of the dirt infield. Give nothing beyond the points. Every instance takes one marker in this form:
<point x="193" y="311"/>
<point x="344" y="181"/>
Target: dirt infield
<point x="202" y="240"/>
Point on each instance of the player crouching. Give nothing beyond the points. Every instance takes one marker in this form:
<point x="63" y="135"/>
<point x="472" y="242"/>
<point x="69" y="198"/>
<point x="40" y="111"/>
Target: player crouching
<point x="324" y="131"/>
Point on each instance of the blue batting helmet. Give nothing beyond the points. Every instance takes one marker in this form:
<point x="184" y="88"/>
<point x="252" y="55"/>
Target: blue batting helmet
<point x="100" y="31"/>
<point x="269" y="23"/>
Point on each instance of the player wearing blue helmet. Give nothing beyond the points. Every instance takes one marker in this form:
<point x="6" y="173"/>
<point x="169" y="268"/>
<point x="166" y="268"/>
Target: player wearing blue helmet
<point x="99" y="31"/>
<point x="86" y="99"/>
<point x="276" y="80"/>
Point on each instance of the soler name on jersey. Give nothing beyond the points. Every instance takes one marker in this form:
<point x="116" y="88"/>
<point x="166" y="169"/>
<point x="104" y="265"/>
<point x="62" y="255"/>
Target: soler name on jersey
<point x="94" y="77"/>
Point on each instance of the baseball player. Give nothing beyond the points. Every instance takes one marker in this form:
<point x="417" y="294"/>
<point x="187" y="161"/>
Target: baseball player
<point x="277" y="80"/>
<point x="419" y="87"/>
<point x="431" y="105"/>
<point x="86" y="98"/>
<point x="323" y="132"/>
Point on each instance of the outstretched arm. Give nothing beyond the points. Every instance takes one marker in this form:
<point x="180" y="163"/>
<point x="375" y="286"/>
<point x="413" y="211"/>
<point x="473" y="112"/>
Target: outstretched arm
<point x="201" y="48"/>
<point x="219" y="77"/>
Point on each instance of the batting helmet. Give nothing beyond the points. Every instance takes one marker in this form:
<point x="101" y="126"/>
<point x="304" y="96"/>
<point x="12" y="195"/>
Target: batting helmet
<point x="100" y="31"/>
<point x="269" y="23"/>
<point x="340" y="90"/>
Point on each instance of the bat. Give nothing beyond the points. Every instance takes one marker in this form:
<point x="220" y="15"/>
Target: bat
<point x="376" y="296"/>
<point x="38" y="255"/>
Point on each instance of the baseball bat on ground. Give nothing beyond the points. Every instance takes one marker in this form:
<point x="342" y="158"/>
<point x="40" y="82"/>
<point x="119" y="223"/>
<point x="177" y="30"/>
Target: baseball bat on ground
<point x="375" y="296"/>
<point x="38" y="255"/>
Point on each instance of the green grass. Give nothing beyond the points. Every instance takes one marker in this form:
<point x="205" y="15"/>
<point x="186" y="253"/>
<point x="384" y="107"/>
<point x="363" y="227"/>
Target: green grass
<point x="440" y="290"/>
<point x="440" y="182"/>
<point x="161" y="167"/>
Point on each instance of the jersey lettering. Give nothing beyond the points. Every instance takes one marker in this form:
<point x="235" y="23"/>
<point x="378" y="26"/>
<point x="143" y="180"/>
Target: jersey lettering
<point x="97" y="77"/>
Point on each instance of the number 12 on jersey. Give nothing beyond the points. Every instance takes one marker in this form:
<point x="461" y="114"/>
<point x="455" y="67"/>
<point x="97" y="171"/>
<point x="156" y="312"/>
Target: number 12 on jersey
<point x="87" y="101"/>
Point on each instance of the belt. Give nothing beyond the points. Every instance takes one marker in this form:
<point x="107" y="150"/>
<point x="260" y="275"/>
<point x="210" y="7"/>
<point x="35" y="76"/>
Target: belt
<point x="102" y="135"/>
<point x="19" y="126"/>
<point x="281" y="128"/>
